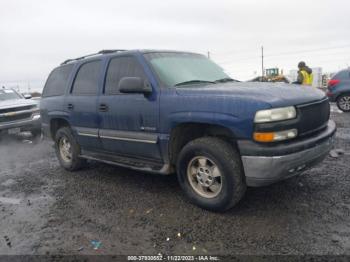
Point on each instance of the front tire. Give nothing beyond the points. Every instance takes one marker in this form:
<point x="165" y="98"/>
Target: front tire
<point x="343" y="102"/>
<point x="210" y="172"/>
<point x="68" y="150"/>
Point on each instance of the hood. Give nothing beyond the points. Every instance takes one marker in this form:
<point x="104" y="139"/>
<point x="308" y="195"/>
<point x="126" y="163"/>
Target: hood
<point x="275" y="94"/>
<point x="13" y="103"/>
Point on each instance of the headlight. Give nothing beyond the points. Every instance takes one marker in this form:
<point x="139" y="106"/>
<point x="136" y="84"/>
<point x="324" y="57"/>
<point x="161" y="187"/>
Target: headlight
<point x="275" y="114"/>
<point x="36" y="116"/>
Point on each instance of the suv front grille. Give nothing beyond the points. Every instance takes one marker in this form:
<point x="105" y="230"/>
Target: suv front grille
<point x="313" y="117"/>
<point x="16" y="109"/>
<point x="11" y="118"/>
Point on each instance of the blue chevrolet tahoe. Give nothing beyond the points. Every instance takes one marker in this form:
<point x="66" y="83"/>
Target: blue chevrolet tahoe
<point x="167" y="111"/>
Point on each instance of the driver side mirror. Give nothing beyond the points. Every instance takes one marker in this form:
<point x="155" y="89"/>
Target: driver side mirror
<point x="134" y="85"/>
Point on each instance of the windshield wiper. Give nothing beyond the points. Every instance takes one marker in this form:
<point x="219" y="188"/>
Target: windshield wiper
<point x="226" y="79"/>
<point x="194" y="82"/>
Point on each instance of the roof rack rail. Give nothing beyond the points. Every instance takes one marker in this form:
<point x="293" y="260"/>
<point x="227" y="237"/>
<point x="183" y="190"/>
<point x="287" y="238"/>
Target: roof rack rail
<point x="108" y="51"/>
<point x="102" y="52"/>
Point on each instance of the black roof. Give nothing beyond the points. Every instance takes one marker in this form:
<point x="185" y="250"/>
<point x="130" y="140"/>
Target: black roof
<point x="102" y="52"/>
<point x="112" y="51"/>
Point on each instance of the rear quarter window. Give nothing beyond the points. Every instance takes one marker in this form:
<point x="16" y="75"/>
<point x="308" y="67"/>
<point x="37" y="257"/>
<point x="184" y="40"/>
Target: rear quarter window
<point x="345" y="74"/>
<point x="56" y="83"/>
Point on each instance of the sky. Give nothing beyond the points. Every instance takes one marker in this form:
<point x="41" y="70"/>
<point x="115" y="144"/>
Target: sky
<point x="37" y="35"/>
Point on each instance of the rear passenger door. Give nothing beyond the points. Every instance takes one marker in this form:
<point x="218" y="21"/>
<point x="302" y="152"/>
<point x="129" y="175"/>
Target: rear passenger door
<point x="129" y="122"/>
<point x="81" y="104"/>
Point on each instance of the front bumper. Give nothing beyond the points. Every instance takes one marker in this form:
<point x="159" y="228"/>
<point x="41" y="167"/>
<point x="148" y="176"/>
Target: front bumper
<point x="270" y="164"/>
<point x="25" y="124"/>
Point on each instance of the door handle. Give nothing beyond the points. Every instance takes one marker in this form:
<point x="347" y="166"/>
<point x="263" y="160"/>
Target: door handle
<point x="103" y="108"/>
<point x="70" y="106"/>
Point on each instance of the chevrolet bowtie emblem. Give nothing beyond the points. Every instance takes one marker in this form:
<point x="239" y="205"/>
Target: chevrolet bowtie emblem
<point x="10" y="114"/>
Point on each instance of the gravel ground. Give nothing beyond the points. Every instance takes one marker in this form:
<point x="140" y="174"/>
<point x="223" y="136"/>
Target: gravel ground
<point x="46" y="210"/>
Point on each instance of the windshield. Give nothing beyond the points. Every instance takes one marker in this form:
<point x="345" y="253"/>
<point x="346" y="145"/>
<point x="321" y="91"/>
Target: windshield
<point x="181" y="69"/>
<point x="8" y="94"/>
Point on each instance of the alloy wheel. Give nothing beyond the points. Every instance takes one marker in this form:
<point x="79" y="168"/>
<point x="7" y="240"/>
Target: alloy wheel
<point x="204" y="177"/>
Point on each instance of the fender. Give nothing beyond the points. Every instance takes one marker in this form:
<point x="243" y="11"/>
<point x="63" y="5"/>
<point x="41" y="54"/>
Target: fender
<point x="237" y="125"/>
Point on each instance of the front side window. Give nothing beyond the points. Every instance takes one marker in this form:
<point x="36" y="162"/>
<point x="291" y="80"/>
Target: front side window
<point x="86" y="80"/>
<point x="120" y="67"/>
<point x="180" y="69"/>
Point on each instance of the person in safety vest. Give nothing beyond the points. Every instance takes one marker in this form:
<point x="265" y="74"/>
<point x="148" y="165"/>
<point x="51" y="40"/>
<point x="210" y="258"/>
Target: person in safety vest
<point x="305" y="76"/>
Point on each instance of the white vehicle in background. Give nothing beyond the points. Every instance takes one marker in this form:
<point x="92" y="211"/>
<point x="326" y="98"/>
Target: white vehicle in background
<point x="18" y="113"/>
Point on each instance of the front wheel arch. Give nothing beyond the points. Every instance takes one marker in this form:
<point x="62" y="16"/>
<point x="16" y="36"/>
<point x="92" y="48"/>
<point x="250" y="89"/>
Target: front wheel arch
<point x="184" y="133"/>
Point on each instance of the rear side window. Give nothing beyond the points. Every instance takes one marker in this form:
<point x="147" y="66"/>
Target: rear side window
<point x="345" y="75"/>
<point x="57" y="81"/>
<point x="120" y="67"/>
<point x="86" y="80"/>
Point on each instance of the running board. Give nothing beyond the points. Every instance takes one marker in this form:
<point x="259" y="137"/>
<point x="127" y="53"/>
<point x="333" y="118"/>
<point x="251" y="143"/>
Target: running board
<point x="127" y="162"/>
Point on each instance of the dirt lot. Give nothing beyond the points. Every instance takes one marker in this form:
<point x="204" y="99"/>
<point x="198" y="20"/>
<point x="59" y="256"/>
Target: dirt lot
<point x="46" y="210"/>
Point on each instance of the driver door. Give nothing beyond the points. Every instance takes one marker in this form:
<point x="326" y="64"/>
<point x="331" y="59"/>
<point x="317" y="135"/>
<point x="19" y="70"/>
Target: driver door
<point x="129" y="121"/>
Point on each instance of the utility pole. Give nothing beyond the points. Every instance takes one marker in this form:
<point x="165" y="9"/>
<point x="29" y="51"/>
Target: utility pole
<point x="262" y="61"/>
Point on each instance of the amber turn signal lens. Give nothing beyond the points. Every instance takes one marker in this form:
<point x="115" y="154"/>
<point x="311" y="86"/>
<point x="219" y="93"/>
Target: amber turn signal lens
<point x="264" y="137"/>
<point x="275" y="136"/>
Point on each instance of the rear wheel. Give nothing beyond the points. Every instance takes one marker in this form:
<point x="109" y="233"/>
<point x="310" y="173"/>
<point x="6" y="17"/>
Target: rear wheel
<point x="68" y="150"/>
<point x="210" y="173"/>
<point x="343" y="102"/>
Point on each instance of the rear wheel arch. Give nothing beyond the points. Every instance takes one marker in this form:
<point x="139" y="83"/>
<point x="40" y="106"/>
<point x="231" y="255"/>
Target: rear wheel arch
<point x="56" y="124"/>
<point x="68" y="150"/>
<point x="341" y="92"/>
<point x="338" y="101"/>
